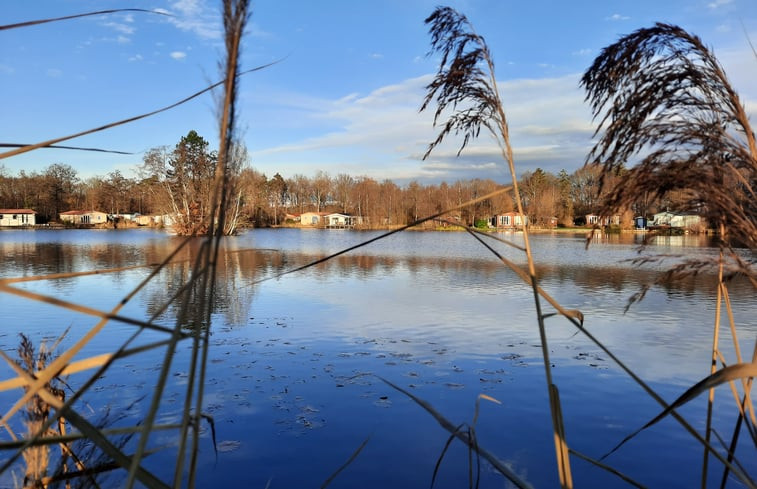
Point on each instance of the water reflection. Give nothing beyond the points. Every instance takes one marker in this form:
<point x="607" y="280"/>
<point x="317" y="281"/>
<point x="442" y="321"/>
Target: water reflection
<point x="432" y="312"/>
<point x="240" y="268"/>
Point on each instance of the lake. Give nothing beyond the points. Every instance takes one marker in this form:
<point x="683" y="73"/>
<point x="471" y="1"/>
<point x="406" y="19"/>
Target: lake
<point x="293" y="383"/>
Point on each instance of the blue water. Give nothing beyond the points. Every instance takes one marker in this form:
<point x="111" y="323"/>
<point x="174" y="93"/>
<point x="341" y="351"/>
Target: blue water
<point x="296" y="360"/>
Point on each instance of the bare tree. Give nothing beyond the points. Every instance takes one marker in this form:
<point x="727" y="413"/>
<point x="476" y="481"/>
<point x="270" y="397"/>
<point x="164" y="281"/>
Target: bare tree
<point x="321" y="189"/>
<point x="342" y="185"/>
<point x="298" y="191"/>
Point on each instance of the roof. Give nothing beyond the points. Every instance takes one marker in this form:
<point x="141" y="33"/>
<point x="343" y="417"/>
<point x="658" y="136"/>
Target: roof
<point x="17" y="211"/>
<point x="78" y="213"/>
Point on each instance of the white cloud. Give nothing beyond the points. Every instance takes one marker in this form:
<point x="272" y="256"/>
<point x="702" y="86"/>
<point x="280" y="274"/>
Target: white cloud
<point x="382" y="134"/>
<point x="178" y="54"/>
<point x="123" y="40"/>
<point x="617" y="17"/>
<point x="54" y="72"/>
<point x="136" y="57"/>
<point x="377" y="56"/>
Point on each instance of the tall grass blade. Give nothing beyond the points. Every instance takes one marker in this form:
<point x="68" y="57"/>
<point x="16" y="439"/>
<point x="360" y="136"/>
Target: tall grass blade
<point x="447" y="444"/>
<point x="345" y="464"/>
<point x="741" y="419"/>
<point x="77" y="16"/>
<point x="111" y="125"/>
<point x="608" y="468"/>
<point x="384" y="235"/>
<point x="76" y="148"/>
<point x="452" y="429"/>
<point x="727" y="374"/>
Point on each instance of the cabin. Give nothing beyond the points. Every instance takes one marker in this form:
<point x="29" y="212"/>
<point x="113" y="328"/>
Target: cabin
<point x="293" y="217"/>
<point x="154" y="220"/>
<point x="340" y="221"/>
<point x="83" y="217"/>
<point x="509" y="220"/>
<point x="640" y="222"/>
<point x="597" y="220"/>
<point x="312" y="218"/>
<point x="17" y="217"/>
<point x="680" y="220"/>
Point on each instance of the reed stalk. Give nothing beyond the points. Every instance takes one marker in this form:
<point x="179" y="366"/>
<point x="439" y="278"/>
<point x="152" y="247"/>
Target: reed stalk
<point x="713" y="369"/>
<point x="466" y="85"/>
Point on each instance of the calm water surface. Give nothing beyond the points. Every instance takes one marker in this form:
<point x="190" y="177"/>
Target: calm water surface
<point x="292" y="381"/>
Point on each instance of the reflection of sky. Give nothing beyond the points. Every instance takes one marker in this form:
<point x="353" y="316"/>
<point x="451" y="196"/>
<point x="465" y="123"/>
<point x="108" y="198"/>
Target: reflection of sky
<point x="433" y="312"/>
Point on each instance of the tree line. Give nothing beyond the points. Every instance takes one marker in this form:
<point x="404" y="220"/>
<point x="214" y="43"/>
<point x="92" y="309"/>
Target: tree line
<point x="177" y="181"/>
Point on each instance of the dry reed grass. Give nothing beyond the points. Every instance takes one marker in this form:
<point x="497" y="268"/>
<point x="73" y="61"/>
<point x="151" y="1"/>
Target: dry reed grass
<point x="195" y="300"/>
<point x="665" y="104"/>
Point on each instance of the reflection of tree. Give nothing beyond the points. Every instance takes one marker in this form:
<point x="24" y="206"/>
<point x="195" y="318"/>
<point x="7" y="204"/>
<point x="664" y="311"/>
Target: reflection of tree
<point x="240" y="269"/>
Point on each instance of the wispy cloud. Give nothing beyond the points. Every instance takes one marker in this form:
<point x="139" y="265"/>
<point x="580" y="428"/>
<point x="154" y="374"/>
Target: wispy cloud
<point x="54" y="72"/>
<point x="136" y="57"/>
<point x="616" y="17"/>
<point x="718" y="3"/>
<point x="7" y="70"/>
<point x="582" y="52"/>
<point x="178" y="54"/>
<point x="254" y="30"/>
<point x="120" y="28"/>
<point x="196" y="16"/>
<point x="377" y="56"/>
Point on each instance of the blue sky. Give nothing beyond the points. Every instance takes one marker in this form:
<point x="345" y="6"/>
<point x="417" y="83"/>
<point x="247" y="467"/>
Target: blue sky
<point x="345" y="96"/>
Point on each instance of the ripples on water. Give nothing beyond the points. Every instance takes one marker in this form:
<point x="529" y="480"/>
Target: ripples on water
<point x="291" y="379"/>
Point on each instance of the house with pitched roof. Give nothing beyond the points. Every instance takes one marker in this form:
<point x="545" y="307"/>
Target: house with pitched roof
<point x="84" y="217"/>
<point x="17" y="217"/>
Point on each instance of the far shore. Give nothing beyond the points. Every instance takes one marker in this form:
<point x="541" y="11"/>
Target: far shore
<point x="531" y="230"/>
